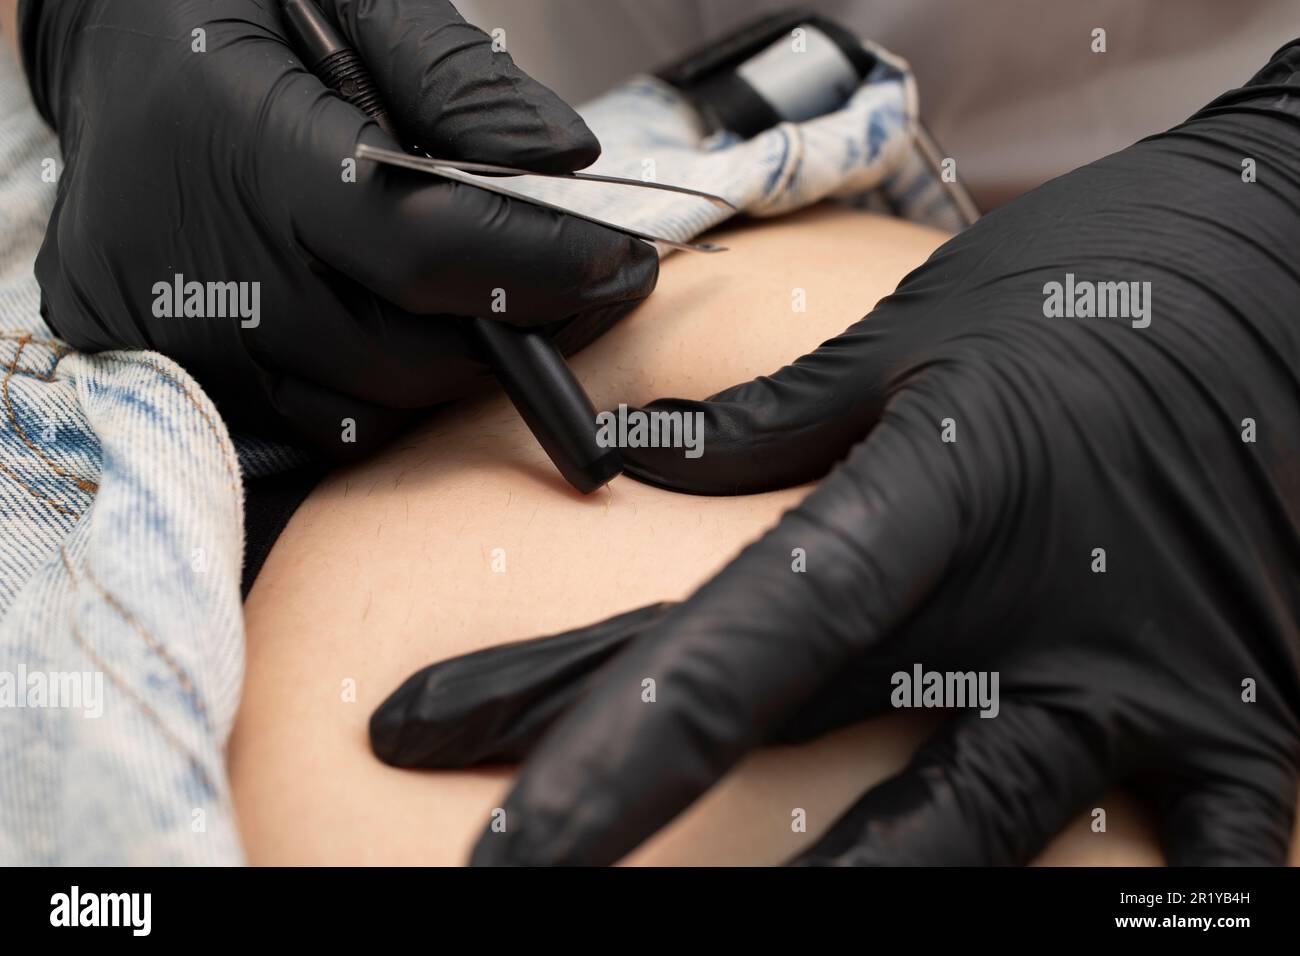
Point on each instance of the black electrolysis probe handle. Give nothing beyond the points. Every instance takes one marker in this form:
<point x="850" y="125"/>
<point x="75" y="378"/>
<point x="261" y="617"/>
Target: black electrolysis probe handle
<point x="328" y="55"/>
<point x="529" y="366"/>
<point x="551" y="402"/>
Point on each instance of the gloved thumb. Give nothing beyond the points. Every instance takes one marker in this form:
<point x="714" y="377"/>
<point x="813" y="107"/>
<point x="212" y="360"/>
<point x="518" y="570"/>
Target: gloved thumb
<point x="450" y="92"/>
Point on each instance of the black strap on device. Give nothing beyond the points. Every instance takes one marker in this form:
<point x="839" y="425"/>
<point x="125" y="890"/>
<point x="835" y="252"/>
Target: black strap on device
<point x="740" y="82"/>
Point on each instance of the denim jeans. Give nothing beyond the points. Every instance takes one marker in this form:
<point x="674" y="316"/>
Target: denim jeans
<point x="865" y="154"/>
<point x="121" y="635"/>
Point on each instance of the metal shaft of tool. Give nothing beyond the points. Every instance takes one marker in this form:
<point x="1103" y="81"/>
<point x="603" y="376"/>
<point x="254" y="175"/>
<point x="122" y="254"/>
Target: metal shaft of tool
<point x="431" y="163"/>
<point x="459" y="174"/>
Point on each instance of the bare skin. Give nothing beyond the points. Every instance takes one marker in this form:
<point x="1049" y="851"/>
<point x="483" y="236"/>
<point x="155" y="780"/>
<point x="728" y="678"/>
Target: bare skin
<point x="389" y="566"/>
<point x="9" y="24"/>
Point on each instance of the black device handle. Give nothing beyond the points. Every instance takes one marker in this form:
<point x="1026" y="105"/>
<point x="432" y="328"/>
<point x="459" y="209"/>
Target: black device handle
<point x="337" y="65"/>
<point x="550" y="401"/>
<point x="345" y="74"/>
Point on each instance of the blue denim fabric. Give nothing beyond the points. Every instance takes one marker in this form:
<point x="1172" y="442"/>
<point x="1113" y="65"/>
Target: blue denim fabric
<point x="120" y="545"/>
<point x="864" y="154"/>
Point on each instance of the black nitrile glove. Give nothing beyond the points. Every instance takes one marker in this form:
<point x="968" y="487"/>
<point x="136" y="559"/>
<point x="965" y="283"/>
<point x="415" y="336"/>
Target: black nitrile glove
<point x="1098" y="534"/>
<point x="216" y="156"/>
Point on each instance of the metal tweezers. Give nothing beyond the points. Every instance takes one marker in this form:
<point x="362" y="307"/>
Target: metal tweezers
<point x="459" y="171"/>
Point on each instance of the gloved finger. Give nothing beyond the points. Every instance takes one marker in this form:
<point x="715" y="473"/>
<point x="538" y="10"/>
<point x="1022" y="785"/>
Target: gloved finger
<point x="492" y="706"/>
<point x="791" y="427"/>
<point x="1240" y="820"/>
<point x="338" y="426"/>
<point x="859" y="693"/>
<point x="711" y="679"/>
<point x="456" y="97"/>
<point x="343" y="338"/>
<point x="981" y="792"/>
<point x="366" y="349"/>
<point x="427" y="245"/>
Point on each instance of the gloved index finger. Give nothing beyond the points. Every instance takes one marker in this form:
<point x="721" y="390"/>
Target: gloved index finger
<point x="668" y="717"/>
<point x="428" y="245"/>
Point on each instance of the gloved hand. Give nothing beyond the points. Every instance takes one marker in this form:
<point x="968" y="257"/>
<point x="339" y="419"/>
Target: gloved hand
<point x="1075" y="503"/>
<point x="216" y="156"/>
